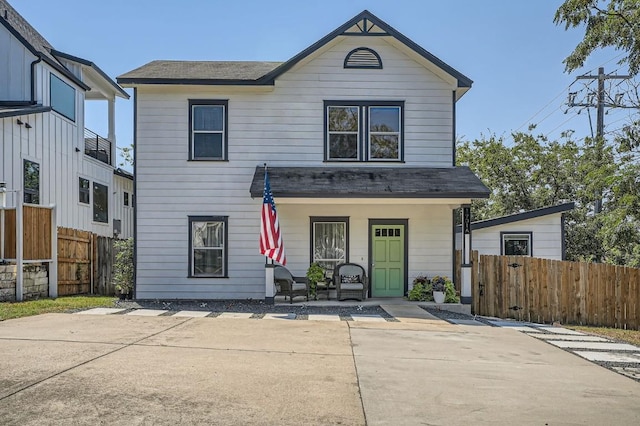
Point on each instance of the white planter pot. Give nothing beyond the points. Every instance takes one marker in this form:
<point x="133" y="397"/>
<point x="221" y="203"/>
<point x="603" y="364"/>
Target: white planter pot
<point x="438" y="296"/>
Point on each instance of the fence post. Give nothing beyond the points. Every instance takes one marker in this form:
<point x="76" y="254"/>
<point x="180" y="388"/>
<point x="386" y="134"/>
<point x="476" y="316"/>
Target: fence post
<point x="19" y="248"/>
<point x="53" y="266"/>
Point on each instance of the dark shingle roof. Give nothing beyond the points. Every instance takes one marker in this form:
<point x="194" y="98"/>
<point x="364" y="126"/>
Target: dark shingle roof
<point x="33" y="40"/>
<point x="206" y="71"/>
<point x="265" y="73"/>
<point x="17" y="22"/>
<point x="370" y="182"/>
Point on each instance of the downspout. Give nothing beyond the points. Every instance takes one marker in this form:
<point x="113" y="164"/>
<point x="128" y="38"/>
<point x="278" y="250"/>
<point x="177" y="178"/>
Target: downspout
<point x="33" y="78"/>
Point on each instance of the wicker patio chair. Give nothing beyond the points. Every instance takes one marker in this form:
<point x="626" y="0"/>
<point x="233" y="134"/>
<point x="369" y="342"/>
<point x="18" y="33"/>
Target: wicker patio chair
<point x="287" y="286"/>
<point x="350" y="281"/>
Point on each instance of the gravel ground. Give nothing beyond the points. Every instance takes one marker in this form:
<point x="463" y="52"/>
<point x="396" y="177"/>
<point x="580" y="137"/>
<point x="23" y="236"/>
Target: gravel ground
<point x="257" y="307"/>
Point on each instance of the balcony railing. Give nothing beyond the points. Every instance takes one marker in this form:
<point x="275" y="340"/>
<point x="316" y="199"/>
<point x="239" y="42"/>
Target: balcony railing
<point x="97" y="147"/>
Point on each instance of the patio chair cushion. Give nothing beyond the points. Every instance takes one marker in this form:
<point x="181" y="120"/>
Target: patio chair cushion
<point x="351" y="286"/>
<point x="298" y="286"/>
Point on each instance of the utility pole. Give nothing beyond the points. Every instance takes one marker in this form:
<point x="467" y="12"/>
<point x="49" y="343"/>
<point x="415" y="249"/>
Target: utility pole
<point x="600" y="105"/>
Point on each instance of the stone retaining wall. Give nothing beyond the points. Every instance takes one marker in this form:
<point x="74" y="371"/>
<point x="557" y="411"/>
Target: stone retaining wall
<point x="35" y="282"/>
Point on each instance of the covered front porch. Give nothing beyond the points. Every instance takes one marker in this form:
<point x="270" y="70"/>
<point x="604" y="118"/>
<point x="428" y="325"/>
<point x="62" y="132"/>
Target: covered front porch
<point x="394" y="223"/>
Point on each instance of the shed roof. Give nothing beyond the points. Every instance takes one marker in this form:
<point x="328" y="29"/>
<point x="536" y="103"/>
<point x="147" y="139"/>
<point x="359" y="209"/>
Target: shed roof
<point x="370" y="182"/>
<point x="529" y="214"/>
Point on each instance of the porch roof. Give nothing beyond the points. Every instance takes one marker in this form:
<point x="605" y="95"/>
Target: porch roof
<point x="370" y="182"/>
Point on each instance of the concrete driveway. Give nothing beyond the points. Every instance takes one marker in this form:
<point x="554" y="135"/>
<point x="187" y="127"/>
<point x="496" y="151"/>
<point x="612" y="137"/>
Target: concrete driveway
<point x="117" y="369"/>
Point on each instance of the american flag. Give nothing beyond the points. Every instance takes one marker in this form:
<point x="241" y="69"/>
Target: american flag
<point x="270" y="238"/>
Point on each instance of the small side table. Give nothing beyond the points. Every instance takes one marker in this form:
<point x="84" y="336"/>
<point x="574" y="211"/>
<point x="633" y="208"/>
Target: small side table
<point x="323" y="288"/>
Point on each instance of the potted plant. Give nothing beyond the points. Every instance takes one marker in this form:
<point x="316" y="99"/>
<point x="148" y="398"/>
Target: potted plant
<point x="421" y="290"/>
<point x="438" y="288"/>
<point x="315" y="275"/>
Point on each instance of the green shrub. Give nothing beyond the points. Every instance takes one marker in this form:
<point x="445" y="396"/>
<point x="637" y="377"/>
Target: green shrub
<point x="422" y="290"/>
<point x="123" y="266"/>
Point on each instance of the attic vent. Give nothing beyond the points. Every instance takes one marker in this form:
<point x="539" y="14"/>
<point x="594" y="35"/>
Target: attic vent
<point x="363" y="57"/>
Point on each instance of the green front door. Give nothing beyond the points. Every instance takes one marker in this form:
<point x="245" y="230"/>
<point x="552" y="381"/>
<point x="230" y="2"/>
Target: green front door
<point x="387" y="248"/>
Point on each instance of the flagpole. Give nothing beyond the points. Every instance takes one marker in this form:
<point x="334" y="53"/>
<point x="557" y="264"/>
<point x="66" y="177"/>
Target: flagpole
<point x="269" y="281"/>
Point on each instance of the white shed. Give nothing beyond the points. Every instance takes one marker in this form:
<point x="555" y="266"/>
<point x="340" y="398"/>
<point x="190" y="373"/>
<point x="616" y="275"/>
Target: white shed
<point x="535" y="233"/>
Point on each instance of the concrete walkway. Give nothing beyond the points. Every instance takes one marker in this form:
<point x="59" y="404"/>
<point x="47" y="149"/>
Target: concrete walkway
<point x="136" y="369"/>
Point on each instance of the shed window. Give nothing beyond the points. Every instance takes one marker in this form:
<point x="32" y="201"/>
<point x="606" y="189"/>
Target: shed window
<point x="516" y="244"/>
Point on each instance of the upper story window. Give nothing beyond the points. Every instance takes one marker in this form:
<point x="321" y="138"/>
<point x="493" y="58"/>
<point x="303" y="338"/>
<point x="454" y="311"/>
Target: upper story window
<point x="364" y="131"/>
<point x="31" y="185"/>
<point x="363" y="57"/>
<point x="126" y="198"/>
<point x="63" y="97"/>
<point x="208" y="129"/>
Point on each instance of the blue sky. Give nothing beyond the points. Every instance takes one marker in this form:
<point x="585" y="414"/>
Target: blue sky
<point x="510" y="48"/>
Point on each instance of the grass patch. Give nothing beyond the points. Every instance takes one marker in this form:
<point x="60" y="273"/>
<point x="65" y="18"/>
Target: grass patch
<point x="629" y="336"/>
<point x="10" y="310"/>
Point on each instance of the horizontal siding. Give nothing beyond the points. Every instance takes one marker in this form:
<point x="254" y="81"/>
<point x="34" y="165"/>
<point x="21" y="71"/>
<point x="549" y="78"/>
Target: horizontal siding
<point x="547" y="236"/>
<point x="163" y="257"/>
<point x="282" y="126"/>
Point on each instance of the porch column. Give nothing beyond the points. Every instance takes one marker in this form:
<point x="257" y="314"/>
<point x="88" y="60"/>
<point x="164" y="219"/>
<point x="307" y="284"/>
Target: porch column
<point x="465" y="267"/>
<point x="269" y="288"/>
<point x="112" y="126"/>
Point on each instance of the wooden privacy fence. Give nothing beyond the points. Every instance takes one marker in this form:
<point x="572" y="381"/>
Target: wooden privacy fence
<point x="543" y="290"/>
<point x="74" y="261"/>
<point x="36" y="225"/>
<point x="84" y="258"/>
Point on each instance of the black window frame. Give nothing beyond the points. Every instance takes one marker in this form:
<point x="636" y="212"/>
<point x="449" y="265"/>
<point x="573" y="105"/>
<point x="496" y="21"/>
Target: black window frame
<point x="504" y="234"/>
<point x="225" y="133"/>
<point x="96" y="218"/>
<point x="327" y="219"/>
<point x="30" y="195"/>
<point x="225" y="251"/>
<point x="53" y="107"/>
<point x="86" y="191"/>
<point x="363" y="130"/>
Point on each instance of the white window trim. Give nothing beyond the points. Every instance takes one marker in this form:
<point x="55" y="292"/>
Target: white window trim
<point x="334" y="132"/>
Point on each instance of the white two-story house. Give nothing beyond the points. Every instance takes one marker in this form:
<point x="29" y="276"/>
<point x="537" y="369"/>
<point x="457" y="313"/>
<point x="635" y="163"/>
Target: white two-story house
<point x="358" y="134"/>
<point x="46" y="153"/>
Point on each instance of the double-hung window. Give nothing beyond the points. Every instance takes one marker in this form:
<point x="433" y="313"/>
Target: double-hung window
<point x="364" y="131"/>
<point x="516" y="244"/>
<point x="207" y="246"/>
<point x="329" y="241"/>
<point x="208" y="130"/>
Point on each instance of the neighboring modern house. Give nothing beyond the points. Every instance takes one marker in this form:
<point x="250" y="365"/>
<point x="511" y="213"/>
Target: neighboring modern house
<point x="358" y="133"/>
<point x="47" y="153"/>
<point x="536" y="233"/>
<point x="123" y="203"/>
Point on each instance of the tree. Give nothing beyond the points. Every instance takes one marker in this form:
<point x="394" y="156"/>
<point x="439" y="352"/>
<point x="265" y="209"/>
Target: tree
<point x="127" y="156"/>
<point x="530" y="172"/>
<point x="610" y="23"/>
